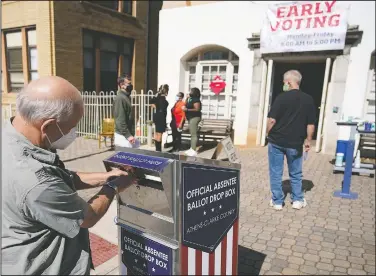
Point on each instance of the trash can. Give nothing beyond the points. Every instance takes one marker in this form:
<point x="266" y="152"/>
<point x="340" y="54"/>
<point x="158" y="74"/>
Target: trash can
<point x="181" y="217"/>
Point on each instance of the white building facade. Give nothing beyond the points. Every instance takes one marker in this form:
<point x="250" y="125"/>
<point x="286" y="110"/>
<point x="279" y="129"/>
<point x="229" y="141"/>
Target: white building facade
<point x="199" y="43"/>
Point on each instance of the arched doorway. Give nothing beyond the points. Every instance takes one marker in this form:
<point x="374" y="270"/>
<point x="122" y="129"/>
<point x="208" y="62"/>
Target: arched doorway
<point x="202" y="66"/>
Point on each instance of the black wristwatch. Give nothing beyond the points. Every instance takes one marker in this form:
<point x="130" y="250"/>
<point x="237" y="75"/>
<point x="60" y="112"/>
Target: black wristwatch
<point x="111" y="182"/>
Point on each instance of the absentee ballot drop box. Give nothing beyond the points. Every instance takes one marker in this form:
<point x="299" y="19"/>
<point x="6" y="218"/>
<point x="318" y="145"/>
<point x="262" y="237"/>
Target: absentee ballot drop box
<point x="180" y="218"/>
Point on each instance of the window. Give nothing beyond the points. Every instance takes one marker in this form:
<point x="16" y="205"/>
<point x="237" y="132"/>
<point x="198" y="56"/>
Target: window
<point x="14" y="60"/>
<point x="202" y="68"/>
<point x="108" y="63"/>
<point x="127" y="7"/>
<point x="89" y="62"/>
<point x="113" y="51"/>
<point x="33" y="54"/>
<point x="215" y="55"/>
<point x="21" y="58"/>
<point x="107" y="4"/>
<point x="127" y="54"/>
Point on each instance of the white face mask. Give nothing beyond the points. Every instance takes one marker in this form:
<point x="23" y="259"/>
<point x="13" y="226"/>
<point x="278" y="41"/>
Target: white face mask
<point x="65" y="140"/>
<point x="177" y="98"/>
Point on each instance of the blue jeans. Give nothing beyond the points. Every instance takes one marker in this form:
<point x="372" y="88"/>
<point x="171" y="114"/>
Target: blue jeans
<point x="294" y="162"/>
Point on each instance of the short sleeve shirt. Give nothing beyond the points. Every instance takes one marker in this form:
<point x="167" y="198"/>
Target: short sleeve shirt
<point x="190" y="105"/>
<point x="41" y="212"/>
<point x="293" y="111"/>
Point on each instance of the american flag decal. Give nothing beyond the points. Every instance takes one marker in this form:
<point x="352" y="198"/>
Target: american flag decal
<point x="223" y="261"/>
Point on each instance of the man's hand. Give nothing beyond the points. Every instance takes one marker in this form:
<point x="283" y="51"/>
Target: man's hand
<point x="116" y="172"/>
<point x="131" y="139"/>
<point x="307" y="145"/>
<point x="184" y="108"/>
<point x="124" y="181"/>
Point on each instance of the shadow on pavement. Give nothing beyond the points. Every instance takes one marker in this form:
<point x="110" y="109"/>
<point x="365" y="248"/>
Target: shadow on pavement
<point x="307" y="186"/>
<point x="250" y="261"/>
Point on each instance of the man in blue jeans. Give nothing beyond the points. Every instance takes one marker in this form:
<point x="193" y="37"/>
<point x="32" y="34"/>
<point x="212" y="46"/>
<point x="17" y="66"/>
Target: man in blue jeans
<point x="291" y="124"/>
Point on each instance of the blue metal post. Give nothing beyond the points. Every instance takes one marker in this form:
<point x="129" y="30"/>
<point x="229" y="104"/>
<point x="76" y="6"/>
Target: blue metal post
<point x="345" y="192"/>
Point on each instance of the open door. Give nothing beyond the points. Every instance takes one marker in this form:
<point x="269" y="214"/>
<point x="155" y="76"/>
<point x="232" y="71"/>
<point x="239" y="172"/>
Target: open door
<point x="260" y="117"/>
<point x="323" y="105"/>
<point x="268" y="100"/>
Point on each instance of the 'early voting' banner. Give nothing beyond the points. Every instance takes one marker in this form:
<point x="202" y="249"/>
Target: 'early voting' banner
<point x="304" y="26"/>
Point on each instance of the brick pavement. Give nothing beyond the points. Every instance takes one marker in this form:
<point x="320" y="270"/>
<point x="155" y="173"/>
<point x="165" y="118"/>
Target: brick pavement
<point x="330" y="236"/>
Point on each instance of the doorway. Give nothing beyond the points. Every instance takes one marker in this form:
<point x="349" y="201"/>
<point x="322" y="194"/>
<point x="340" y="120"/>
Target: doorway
<point x="312" y="82"/>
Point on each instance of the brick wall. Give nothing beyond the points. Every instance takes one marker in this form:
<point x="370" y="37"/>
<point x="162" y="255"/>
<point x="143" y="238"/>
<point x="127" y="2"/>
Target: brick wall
<point x="155" y="7"/>
<point x="16" y="14"/>
<point x="69" y="20"/>
<point x="59" y="27"/>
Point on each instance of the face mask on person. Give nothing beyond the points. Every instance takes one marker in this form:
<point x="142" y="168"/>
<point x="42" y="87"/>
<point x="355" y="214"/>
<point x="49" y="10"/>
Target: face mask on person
<point x="65" y="140"/>
<point x="177" y="98"/>
<point x="286" y="87"/>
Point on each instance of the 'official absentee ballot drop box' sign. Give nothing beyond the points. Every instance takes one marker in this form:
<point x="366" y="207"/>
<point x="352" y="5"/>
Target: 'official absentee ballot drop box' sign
<point x="144" y="256"/>
<point x="210" y="205"/>
<point x="181" y="218"/>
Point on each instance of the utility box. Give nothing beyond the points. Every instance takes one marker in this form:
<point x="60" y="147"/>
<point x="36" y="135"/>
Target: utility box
<point x="181" y="217"/>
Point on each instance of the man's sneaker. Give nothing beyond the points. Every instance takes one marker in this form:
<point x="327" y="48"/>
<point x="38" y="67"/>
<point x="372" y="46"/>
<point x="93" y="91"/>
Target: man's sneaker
<point x="275" y="206"/>
<point x="299" y="204"/>
<point x="191" y="152"/>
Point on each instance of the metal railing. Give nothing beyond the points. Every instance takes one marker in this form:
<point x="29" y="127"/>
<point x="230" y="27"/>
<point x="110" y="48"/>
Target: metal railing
<point x="99" y="106"/>
<point x="7" y="111"/>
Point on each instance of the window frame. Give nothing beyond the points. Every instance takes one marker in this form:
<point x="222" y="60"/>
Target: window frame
<point x="25" y="58"/>
<point x="122" y="6"/>
<point x="29" y="61"/>
<point x="29" y="48"/>
<point x="97" y="36"/>
<point x="127" y="4"/>
<point x="115" y="2"/>
<point x="212" y="104"/>
<point x="92" y="52"/>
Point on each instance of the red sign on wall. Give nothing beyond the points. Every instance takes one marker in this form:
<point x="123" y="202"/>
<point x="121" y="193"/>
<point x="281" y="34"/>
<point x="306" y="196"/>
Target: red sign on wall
<point x="217" y="85"/>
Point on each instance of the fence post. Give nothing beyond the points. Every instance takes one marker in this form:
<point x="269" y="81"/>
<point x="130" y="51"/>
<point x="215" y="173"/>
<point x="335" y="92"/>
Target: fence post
<point x="97" y="123"/>
<point x="150" y="133"/>
<point x="142" y="111"/>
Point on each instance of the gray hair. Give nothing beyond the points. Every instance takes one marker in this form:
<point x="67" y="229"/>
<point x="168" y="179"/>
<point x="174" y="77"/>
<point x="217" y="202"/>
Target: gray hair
<point x="293" y="75"/>
<point x="38" y="110"/>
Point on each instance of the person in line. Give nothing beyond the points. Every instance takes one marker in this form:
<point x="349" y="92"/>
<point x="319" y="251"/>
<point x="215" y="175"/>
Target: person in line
<point x="177" y="122"/>
<point x="291" y="124"/>
<point x="192" y="111"/>
<point x="45" y="222"/>
<point x="160" y="105"/>
<point x="123" y="114"/>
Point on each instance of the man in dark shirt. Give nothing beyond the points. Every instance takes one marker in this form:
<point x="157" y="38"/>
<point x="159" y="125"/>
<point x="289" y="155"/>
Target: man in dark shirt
<point x="291" y="124"/>
<point x="123" y="115"/>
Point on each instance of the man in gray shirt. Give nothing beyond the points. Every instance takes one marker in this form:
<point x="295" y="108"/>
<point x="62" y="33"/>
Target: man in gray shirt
<point x="45" y="223"/>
